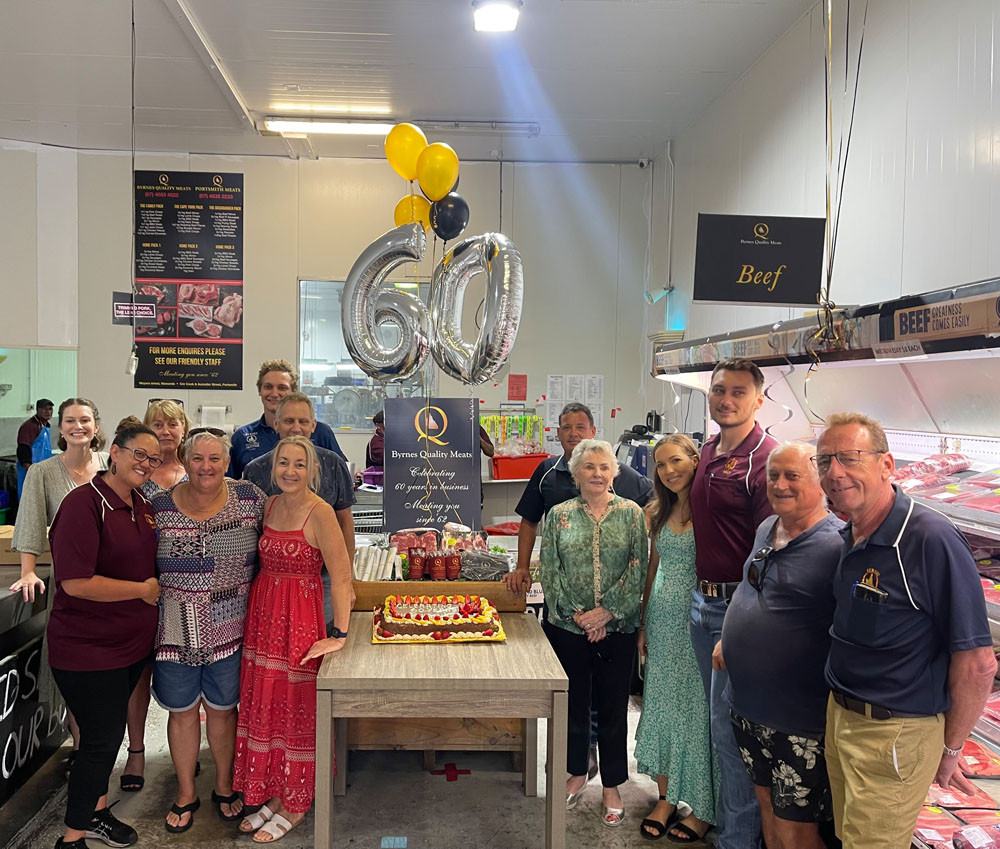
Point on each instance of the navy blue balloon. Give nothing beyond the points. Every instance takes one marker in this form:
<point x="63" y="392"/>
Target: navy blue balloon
<point x="449" y="216"/>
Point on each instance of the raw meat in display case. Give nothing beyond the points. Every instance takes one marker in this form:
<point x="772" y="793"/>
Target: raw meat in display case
<point x="935" y="827"/>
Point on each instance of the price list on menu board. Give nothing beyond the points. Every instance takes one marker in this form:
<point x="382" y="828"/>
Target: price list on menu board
<point x="189" y="257"/>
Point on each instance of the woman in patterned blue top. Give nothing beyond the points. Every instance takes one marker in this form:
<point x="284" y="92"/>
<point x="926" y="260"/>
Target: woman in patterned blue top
<point x="672" y="740"/>
<point x="594" y="552"/>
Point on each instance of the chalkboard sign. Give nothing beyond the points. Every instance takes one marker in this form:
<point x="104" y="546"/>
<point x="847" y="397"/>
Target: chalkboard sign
<point x="431" y="462"/>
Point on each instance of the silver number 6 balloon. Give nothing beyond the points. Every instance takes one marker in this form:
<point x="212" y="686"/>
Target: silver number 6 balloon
<point x="494" y="255"/>
<point x="366" y="305"/>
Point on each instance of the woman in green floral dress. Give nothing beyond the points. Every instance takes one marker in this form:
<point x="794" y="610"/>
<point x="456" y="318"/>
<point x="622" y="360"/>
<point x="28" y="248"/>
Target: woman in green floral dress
<point x="594" y="552"/>
<point x="672" y="740"/>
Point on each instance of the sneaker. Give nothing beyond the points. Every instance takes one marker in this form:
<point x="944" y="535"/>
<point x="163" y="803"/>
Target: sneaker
<point x="80" y="843"/>
<point x="592" y="766"/>
<point x="105" y="826"/>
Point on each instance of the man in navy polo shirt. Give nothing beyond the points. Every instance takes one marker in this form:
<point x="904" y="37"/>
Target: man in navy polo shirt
<point x="275" y="379"/>
<point x="911" y="658"/>
<point x="728" y="503"/>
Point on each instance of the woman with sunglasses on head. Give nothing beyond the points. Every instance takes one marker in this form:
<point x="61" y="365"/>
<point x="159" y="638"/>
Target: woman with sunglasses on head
<point x="46" y="485"/>
<point x="208" y="529"/>
<point x="285" y="640"/>
<point x="170" y="423"/>
<point x="672" y="740"/>
<point x="103" y="621"/>
<point x="593" y="558"/>
<point x="775" y="642"/>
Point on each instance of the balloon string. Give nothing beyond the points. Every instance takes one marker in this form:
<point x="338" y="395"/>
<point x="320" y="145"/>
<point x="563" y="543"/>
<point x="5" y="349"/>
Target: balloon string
<point x="772" y="338"/>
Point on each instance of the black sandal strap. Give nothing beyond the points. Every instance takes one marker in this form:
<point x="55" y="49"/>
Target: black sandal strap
<point x="136" y="751"/>
<point x="185" y="809"/>
<point x="663" y="798"/>
<point x="225" y="800"/>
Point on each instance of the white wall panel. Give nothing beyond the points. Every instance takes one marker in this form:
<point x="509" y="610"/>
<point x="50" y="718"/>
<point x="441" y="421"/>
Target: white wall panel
<point x="57" y="246"/>
<point x="18" y="266"/>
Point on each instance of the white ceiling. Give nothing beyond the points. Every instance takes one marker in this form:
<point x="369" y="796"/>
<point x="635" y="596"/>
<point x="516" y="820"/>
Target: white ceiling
<point x="606" y="80"/>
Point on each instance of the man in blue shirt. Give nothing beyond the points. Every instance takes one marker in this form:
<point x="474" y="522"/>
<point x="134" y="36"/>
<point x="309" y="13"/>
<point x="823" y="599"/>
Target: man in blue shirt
<point x="775" y="641"/>
<point x="33" y="441"/>
<point x="275" y="379"/>
<point x="296" y="417"/>
<point x="911" y="657"/>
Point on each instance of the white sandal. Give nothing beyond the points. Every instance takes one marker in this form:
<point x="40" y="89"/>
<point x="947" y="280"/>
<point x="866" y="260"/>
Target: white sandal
<point x="257" y="819"/>
<point x="276" y="828"/>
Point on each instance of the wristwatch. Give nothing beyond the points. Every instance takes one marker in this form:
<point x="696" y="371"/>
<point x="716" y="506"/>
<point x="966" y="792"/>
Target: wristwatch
<point x="953" y="752"/>
<point x="336" y="633"/>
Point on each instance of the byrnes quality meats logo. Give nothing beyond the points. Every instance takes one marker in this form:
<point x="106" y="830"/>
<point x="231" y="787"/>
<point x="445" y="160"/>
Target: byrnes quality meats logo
<point x="427" y="427"/>
<point x="748" y="272"/>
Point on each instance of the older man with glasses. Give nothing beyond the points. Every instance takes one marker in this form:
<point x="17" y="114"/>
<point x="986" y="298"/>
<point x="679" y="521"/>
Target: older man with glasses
<point x="775" y="642"/>
<point x="911" y="658"/>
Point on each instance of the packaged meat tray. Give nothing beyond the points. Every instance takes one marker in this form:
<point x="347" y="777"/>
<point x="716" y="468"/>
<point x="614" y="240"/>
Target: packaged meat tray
<point x="935" y="827"/>
<point x="989" y="480"/>
<point x="992" y="707"/>
<point x="989" y="567"/>
<point x="916" y="485"/>
<point x="950" y="493"/>
<point x="980" y="762"/>
<point x="911" y="470"/>
<point x="989" y="501"/>
<point x="976" y="837"/>
<point x="977" y="816"/>
<point x="425" y="538"/>
<point x="948" y="798"/>
<point x="948" y="464"/>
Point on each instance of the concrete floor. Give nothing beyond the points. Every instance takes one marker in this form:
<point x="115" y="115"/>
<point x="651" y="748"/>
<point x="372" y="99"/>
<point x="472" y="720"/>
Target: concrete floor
<point x="389" y="795"/>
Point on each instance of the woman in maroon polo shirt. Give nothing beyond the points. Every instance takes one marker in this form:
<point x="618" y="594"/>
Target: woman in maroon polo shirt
<point x="103" y="621"/>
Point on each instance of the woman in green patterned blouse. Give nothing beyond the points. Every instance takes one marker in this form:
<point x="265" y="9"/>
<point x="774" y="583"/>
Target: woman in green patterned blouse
<point x="594" y="555"/>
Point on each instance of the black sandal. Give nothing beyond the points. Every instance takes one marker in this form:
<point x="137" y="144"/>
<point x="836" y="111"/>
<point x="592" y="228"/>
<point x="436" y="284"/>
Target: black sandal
<point x="180" y="810"/>
<point x="658" y="827"/>
<point x="133" y="783"/>
<point x="690" y="835"/>
<point x="219" y="801"/>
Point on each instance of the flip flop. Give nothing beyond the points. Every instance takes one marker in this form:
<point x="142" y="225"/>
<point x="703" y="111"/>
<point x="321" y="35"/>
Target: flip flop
<point x="130" y="782"/>
<point x="257" y="819"/>
<point x="691" y="836"/>
<point x="658" y="827"/>
<point x="180" y="810"/>
<point x="219" y="801"/>
<point x="276" y="828"/>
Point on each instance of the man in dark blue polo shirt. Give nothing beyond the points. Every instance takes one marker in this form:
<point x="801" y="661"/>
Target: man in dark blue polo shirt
<point x="911" y="658"/>
<point x="275" y="379"/>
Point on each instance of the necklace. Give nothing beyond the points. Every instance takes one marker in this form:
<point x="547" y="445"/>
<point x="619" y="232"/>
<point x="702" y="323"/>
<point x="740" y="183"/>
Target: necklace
<point x="82" y="475"/>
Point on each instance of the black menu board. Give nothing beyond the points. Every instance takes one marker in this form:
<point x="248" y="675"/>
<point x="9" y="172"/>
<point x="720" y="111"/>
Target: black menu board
<point x="189" y="256"/>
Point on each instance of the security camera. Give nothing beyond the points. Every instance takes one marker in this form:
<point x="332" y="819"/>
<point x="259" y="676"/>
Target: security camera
<point x="643" y="163"/>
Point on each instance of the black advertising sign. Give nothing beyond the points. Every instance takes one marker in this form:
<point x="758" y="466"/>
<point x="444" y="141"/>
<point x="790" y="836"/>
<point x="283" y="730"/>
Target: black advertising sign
<point x="189" y="258"/>
<point x="431" y="462"/>
<point x="127" y="308"/>
<point x="763" y="260"/>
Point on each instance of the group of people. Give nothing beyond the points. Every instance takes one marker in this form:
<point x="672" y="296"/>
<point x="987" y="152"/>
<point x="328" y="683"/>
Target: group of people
<point x="174" y="578"/>
<point x="816" y="643"/>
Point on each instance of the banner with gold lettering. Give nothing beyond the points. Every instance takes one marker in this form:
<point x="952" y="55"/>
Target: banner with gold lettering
<point x="189" y="256"/>
<point x="766" y="260"/>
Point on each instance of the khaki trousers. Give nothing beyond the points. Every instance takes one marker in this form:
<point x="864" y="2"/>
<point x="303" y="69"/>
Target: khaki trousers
<point x="880" y="770"/>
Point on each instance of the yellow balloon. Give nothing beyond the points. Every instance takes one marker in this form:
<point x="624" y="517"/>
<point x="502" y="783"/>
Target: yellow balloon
<point x="413" y="209"/>
<point x="403" y="145"/>
<point x="437" y="170"/>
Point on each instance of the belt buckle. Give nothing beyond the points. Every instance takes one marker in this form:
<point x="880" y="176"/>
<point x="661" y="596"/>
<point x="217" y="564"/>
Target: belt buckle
<point x="709" y="589"/>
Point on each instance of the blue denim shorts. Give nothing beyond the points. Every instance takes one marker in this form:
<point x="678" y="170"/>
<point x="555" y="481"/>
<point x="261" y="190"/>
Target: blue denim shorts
<point x="177" y="687"/>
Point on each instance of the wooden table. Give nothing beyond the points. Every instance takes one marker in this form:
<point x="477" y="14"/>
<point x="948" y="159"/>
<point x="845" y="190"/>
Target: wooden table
<point x="519" y="678"/>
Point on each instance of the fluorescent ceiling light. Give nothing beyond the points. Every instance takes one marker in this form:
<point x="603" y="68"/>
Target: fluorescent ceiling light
<point x="326" y="126"/>
<point x="332" y="111"/>
<point x="495" y="15"/>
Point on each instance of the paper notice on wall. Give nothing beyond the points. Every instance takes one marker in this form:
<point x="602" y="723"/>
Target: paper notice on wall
<point x="556" y="385"/>
<point x="595" y="390"/>
<point x="576" y="388"/>
<point x="598" y="417"/>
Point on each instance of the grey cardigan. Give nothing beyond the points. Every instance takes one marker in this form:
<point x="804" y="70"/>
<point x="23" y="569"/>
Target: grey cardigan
<point x="45" y="486"/>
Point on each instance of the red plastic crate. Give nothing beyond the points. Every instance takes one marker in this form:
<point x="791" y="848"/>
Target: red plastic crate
<point x="514" y="468"/>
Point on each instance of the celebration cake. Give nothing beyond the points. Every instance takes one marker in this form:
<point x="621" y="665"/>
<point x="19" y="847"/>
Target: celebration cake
<point x="434" y="619"/>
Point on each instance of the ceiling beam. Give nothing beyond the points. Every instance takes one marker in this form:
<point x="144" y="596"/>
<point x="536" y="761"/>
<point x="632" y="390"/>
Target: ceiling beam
<point x="195" y="33"/>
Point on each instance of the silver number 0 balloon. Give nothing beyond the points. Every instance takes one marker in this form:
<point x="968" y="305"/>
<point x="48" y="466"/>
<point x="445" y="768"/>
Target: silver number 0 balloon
<point x="365" y="305"/>
<point x="494" y="255"/>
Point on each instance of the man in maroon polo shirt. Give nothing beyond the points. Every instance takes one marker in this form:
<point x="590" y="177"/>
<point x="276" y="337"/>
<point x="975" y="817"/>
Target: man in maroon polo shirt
<point x="728" y="502"/>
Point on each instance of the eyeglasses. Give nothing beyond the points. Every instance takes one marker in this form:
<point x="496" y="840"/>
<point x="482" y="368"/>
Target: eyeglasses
<point x="145" y="457"/>
<point x="212" y="431"/>
<point x="176" y="401"/>
<point x="758" y="567"/>
<point x="848" y="459"/>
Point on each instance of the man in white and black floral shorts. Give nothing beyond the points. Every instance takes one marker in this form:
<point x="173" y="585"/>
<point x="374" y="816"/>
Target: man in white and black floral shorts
<point x="775" y="642"/>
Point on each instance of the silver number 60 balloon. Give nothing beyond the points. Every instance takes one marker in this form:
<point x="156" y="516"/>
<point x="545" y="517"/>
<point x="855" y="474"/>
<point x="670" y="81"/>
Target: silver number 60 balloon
<point x="365" y="306"/>
<point x="494" y="255"/>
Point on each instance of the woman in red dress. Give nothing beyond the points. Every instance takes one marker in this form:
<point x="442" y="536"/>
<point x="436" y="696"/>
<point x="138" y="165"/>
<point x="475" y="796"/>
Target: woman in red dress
<point x="285" y="637"/>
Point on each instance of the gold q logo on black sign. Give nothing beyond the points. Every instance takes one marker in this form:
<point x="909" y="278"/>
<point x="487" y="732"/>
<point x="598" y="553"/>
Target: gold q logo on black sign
<point x="217" y="180"/>
<point x="164" y="180"/>
<point x="760" y="230"/>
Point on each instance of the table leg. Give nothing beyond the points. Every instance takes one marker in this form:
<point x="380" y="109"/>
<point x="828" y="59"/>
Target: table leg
<point x="323" y="828"/>
<point x="340" y="741"/>
<point x="530" y="757"/>
<point x="555" y="775"/>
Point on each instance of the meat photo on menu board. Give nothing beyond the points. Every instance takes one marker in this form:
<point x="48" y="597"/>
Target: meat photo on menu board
<point x="210" y="311"/>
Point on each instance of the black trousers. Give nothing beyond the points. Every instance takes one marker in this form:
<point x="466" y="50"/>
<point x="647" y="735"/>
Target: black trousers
<point x="599" y="675"/>
<point x="99" y="701"/>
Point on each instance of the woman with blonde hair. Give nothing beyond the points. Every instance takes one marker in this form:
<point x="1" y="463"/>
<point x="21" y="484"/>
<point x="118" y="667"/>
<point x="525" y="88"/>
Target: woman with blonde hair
<point x="170" y="423"/>
<point x="285" y="638"/>
<point x="672" y="740"/>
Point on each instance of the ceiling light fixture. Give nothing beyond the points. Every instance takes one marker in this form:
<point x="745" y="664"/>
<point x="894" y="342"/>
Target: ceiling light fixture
<point x="319" y="125"/>
<point x="495" y="15"/>
<point x="300" y="127"/>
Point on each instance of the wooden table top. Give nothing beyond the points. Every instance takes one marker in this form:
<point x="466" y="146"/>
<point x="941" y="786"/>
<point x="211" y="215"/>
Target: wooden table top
<point x="525" y="661"/>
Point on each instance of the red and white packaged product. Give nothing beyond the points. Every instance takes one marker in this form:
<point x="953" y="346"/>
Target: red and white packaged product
<point x="911" y="470"/>
<point x="977" y="816"/>
<point x="950" y="493"/>
<point x="916" y="485"/>
<point x="989" y="480"/>
<point x="989" y="567"/>
<point x="980" y="761"/>
<point x="425" y="538"/>
<point x="935" y="826"/>
<point x="988" y="501"/>
<point x="976" y="837"/>
<point x="948" y="464"/>
<point x="949" y="798"/>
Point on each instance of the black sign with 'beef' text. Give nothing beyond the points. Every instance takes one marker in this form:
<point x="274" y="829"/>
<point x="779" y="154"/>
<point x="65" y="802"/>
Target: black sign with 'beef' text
<point x="766" y="260"/>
